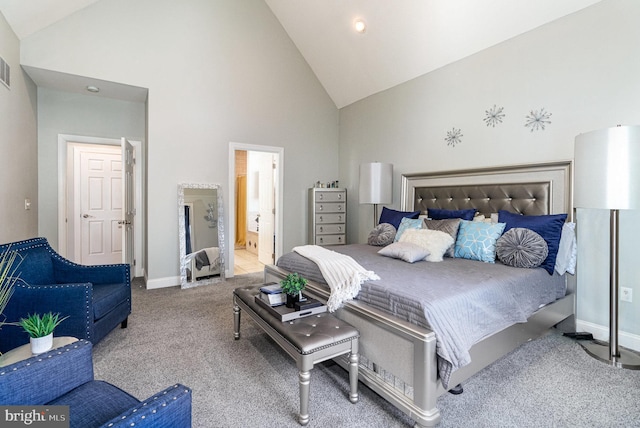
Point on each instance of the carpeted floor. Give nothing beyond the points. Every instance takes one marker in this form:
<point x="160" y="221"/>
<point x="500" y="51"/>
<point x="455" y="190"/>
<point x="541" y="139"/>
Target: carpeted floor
<point x="186" y="336"/>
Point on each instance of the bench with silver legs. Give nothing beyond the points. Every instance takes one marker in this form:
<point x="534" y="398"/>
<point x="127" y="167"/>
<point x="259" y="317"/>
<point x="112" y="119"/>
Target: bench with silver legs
<point x="307" y="340"/>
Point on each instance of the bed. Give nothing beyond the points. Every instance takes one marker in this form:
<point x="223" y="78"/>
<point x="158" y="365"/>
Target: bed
<point x="203" y="264"/>
<point x="399" y="351"/>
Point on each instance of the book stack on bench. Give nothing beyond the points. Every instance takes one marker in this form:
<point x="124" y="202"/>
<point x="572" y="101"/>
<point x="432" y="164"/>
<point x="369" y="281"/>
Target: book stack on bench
<point x="273" y="299"/>
<point x="272" y="294"/>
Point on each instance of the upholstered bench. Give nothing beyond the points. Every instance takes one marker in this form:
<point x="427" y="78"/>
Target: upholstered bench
<point x="308" y="340"/>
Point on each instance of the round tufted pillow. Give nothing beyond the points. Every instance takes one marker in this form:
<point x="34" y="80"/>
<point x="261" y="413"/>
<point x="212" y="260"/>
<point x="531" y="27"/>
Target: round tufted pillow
<point x="382" y="235"/>
<point x="523" y="248"/>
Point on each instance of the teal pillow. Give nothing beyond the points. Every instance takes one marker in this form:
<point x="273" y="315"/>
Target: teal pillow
<point x="408" y="223"/>
<point x="477" y="240"/>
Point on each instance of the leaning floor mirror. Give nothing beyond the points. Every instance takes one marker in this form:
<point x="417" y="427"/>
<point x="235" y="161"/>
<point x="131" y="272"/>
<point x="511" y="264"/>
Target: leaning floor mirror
<point x="201" y="230"/>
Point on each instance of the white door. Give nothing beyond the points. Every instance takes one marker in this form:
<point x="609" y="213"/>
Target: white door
<point x="128" y="203"/>
<point x="101" y="205"/>
<point x="267" y="208"/>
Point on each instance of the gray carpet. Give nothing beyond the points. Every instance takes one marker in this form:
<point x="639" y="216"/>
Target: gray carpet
<point x="186" y="336"/>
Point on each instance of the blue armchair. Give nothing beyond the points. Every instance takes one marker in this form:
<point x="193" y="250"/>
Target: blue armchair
<point x="64" y="377"/>
<point x="95" y="298"/>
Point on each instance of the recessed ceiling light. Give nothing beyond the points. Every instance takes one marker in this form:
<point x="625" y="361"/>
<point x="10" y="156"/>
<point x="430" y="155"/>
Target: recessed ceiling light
<point x="359" y="25"/>
<point x="94" y="89"/>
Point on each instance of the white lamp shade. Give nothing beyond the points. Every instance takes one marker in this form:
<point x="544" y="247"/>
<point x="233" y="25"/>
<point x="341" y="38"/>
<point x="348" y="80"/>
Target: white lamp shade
<point x="376" y="183"/>
<point x="607" y="169"/>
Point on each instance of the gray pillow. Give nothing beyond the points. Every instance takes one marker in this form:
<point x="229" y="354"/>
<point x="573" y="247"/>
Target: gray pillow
<point x="521" y="247"/>
<point x="449" y="226"/>
<point x="382" y="235"/>
<point x="406" y="251"/>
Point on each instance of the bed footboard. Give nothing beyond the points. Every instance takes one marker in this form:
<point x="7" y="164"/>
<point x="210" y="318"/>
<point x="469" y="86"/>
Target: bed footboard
<point x="397" y="359"/>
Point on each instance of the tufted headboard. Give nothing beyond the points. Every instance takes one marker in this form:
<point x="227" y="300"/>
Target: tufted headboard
<point x="528" y="189"/>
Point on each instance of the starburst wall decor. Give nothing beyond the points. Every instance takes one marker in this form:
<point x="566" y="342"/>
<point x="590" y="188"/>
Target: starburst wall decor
<point x="453" y="137"/>
<point x="494" y="116"/>
<point x="537" y="119"/>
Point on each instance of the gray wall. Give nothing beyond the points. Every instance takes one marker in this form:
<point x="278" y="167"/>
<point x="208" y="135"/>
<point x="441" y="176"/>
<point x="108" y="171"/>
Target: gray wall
<point x="75" y="114"/>
<point x="217" y="72"/>
<point x="18" y="162"/>
<point x="583" y="69"/>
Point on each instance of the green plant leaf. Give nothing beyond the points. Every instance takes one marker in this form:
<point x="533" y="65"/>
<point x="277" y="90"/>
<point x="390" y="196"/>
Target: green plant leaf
<point x="293" y="283"/>
<point x="40" y="325"/>
<point x="9" y="263"/>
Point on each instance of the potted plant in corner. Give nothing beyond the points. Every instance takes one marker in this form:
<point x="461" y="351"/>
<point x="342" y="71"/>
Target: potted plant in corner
<point x="40" y="330"/>
<point x="292" y="285"/>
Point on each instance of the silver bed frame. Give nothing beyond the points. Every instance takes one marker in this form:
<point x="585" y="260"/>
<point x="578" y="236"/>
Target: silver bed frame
<point x="398" y="359"/>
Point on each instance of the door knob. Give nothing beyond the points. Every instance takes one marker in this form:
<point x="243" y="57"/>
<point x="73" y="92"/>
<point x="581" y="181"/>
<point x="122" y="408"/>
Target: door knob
<point x="86" y="216"/>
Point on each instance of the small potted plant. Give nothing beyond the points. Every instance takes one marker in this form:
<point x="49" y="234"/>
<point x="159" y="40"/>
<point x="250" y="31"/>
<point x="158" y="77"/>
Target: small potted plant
<point x="292" y="285"/>
<point x="40" y="330"/>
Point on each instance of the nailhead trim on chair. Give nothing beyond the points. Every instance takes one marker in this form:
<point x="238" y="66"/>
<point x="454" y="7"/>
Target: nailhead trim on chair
<point x="165" y="395"/>
<point x="41" y="357"/>
<point x="87" y="312"/>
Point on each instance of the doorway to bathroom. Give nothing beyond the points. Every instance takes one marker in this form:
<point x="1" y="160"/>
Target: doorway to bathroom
<point x="255" y="220"/>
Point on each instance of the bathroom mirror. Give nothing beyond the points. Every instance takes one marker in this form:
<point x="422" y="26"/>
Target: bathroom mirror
<point x="201" y="230"/>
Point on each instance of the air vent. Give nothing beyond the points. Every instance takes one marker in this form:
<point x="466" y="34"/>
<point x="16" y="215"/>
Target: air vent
<point x="5" y="73"/>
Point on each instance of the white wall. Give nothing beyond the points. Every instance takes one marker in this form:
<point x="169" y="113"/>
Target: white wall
<point x="583" y="69"/>
<point x="217" y="71"/>
<point x="75" y="114"/>
<point x="18" y="163"/>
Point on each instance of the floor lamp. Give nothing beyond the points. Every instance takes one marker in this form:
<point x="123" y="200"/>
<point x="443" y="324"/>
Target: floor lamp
<point x="375" y="185"/>
<point x="607" y="176"/>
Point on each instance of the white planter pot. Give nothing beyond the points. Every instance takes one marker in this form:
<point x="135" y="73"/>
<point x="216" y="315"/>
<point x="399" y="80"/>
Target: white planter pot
<point x="40" y="345"/>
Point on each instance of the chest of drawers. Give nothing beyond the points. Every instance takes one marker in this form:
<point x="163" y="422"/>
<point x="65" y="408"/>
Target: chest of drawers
<point x="327" y="216"/>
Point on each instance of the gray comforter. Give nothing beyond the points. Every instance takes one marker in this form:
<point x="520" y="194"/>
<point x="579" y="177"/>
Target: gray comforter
<point x="462" y="301"/>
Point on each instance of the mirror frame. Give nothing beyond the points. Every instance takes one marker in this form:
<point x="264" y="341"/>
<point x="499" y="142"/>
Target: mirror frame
<point x="182" y="236"/>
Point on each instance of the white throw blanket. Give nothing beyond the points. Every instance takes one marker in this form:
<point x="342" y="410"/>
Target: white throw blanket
<point x="343" y="274"/>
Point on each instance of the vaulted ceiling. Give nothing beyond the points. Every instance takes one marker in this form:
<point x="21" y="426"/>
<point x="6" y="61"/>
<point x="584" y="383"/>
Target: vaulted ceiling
<point x="403" y="39"/>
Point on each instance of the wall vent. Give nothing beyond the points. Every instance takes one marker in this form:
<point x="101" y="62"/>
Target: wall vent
<point x="5" y="73"/>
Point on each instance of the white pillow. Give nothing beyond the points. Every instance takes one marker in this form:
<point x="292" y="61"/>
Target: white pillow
<point x="567" y="250"/>
<point x="482" y="217"/>
<point x="435" y="242"/>
<point x="404" y="251"/>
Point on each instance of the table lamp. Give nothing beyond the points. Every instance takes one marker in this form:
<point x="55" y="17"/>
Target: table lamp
<point x="375" y="185"/>
<point x="607" y="176"/>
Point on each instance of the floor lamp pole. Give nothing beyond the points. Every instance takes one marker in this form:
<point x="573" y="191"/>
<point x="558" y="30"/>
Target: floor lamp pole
<point x="375" y="215"/>
<point x="614" y="233"/>
<point x="614" y="355"/>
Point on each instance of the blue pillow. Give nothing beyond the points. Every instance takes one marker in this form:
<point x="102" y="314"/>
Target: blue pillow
<point x="547" y="226"/>
<point x="477" y="240"/>
<point x="408" y="223"/>
<point x="395" y="217"/>
<point x="438" y="214"/>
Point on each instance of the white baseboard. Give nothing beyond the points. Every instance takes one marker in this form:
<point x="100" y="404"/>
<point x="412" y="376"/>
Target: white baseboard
<point x="627" y="340"/>
<point x="170" y="281"/>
